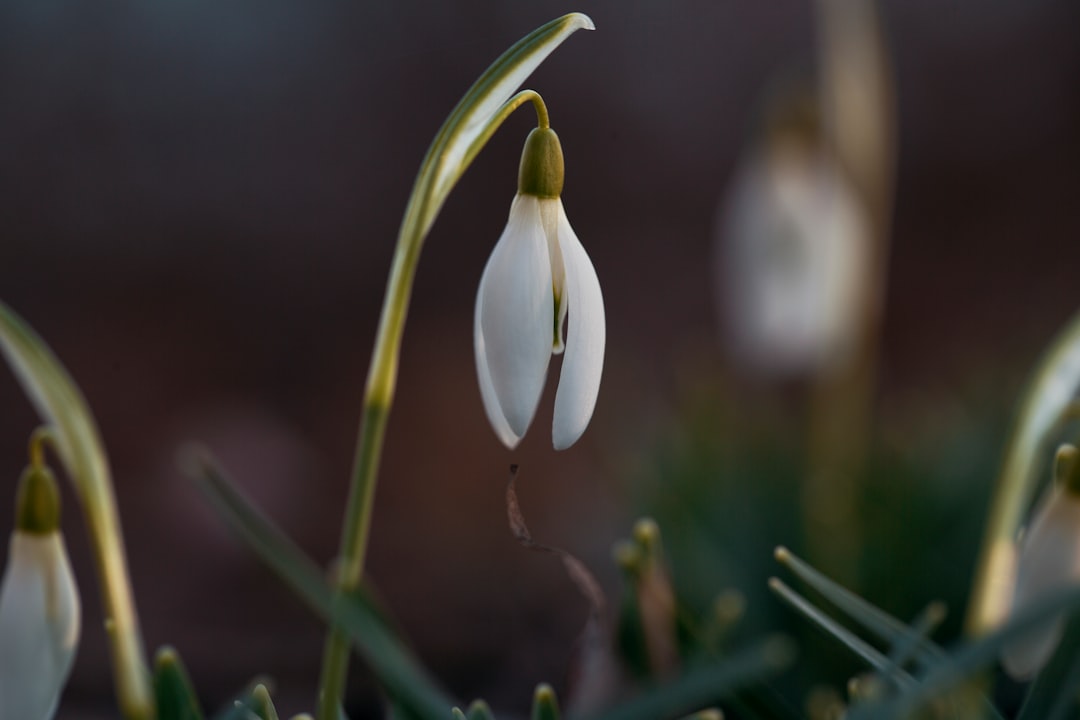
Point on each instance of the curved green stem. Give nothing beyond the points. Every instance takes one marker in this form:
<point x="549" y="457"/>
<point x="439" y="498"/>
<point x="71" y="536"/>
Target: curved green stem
<point x="464" y="133"/>
<point x="41" y="437"/>
<point x="1047" y="403"/>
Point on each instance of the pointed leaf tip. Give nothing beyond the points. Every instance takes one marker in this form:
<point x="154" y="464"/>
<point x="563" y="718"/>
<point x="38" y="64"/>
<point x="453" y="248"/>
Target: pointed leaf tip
<point x="479" y="710"/>
<point x="262" y="705"/>
<point x="581" y="20"/>
<point x="176" y="697"/>
<point x="545" y="704"/>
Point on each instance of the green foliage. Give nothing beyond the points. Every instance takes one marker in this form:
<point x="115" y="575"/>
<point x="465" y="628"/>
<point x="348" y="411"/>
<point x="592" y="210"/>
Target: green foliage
<point x="479" y="710"/>
<point x="261" y="703"/>
<point x="176" y="698"/>
<point x="402" y="676"/>
<point x="545" y="705"/>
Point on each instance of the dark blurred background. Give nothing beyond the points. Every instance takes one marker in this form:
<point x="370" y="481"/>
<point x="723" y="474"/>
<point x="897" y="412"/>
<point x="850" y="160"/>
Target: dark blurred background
<point x="198" y="203"/>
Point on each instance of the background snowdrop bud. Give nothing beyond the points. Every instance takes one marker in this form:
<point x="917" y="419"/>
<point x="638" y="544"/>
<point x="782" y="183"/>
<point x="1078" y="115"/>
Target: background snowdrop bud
<point x="792" y="252"/>
<point x="538" y="279"/>
<point x="1049" y="562"/>
<point x="39" y="605"/>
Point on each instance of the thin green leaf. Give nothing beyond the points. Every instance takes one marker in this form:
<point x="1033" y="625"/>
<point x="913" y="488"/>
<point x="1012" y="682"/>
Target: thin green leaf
<point x="61" y="404"/>
<point x="261" y="703"/>
<point x="907" y="647"/>
<point x="882" y="624"/>
<point x="58" y="401"/>
<point x="857" y="645"/>
<point x="401" y="675"/>
<point x="176" y="698"/>
<point x="965" y="663"/>
<point x="704" y="686"/>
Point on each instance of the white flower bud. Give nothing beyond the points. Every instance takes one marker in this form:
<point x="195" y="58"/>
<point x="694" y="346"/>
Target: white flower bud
<point x="792" y="260"/>
<point x="39" y="625"/>
<point x="538" y="275"/>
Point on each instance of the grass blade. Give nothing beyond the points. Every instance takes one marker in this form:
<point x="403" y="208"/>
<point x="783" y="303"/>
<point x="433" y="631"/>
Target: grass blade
<point x="857" y="645"/>
<point x="965" y="664"/>
<point x="399" y="672"/>
<point x="874" y="619"/>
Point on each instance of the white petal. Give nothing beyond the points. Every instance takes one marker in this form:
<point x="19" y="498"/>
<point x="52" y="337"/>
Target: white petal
<point x="514" y="316"/>
<point x="1049" y="562"/>
<point x="39" y="626"/>
<point x="487" y="389"/>
<point x="579" y="382"/>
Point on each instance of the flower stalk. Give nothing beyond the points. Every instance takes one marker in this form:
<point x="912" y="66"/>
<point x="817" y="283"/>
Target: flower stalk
<point x="469" y="126"/>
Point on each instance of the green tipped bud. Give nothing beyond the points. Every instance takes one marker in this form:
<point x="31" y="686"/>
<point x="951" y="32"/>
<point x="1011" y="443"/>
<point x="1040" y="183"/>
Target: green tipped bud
<point x="647" y="535"/>
<point x="1067" y="469"/>
<point x="456" y="714"/>
<point x="545" y="705"/>
<point x="176" y="699"/>
<point x="261" y="704"/>
<point x="648" y="628"/>
<point x="479" y="710"/>
<point x="37" y="505"/>
<point x="541" y="171"/>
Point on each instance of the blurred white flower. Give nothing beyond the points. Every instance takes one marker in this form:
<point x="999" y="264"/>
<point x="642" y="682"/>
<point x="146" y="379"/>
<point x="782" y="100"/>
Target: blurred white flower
<point x="539" y="275"/>
<point x="793" y="260"/>
<point x="1049" y="562"/>
<point x="39" y="625"/>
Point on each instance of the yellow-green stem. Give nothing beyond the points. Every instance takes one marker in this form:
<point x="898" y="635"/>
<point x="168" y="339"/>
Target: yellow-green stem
<point x="424" y="205"/>
<point x="40" y="437"/>
<point x="858" y="109"/>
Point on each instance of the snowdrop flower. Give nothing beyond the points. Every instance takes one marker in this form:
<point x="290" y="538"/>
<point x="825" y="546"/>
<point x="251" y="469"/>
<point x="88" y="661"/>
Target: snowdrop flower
<point x="537" y="278"/>
<point x="793" y="255"/>
<point x="1049" y="562"/>
<point x="39" y="606"/>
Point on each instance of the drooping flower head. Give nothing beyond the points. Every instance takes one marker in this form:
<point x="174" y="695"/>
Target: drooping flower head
<point x="39" y="605"/>
<point x="1049" y="562"/>
<point x="793" y="252"/>
<point x="537" y="279"/>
